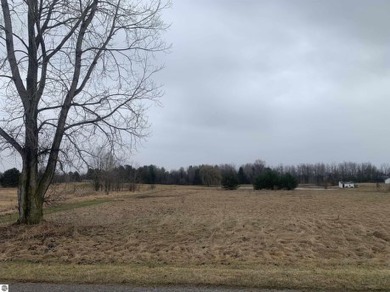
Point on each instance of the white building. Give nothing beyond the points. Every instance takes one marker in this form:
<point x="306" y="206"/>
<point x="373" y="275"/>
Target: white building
<point x="348" y="185"/>
<point x="387" y="181"/>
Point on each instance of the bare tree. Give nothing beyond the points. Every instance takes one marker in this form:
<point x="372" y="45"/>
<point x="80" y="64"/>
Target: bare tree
<point x="253" y="170"/>
<point x="74" y="73"/>
<point x="104" y="164"/>
<point x="210" y="175"/>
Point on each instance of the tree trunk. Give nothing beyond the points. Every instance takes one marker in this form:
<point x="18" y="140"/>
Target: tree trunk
<point x="31" y="207"/>
<point x="29" y="196"/>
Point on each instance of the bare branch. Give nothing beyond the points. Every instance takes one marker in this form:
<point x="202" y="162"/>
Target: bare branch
<point x="11" y="50"/>
<point x="11" y="141"/>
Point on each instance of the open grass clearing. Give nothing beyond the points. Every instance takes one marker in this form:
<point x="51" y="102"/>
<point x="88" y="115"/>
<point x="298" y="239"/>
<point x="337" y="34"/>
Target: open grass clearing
<point x="186" y="235"/>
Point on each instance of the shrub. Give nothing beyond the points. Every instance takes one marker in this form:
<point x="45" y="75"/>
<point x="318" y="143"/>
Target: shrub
<point x="10" y="178"/>
<point x="269" y="180"/>
<point x="230" y="180"/>
<point x="288" y="182"/>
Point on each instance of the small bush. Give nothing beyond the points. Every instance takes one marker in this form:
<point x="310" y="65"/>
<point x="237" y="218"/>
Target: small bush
<point x="230" y="180"/>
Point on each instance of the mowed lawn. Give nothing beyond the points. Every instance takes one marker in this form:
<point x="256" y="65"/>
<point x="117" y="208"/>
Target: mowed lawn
<point x="305" y="239"/>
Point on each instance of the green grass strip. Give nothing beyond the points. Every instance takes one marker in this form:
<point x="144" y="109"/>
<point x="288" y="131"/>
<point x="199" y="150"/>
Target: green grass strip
<point x="338" y="279"/>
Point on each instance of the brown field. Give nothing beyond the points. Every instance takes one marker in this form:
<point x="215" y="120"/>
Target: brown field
<point x="8" y="201"/>
<point x="305" y="239"/>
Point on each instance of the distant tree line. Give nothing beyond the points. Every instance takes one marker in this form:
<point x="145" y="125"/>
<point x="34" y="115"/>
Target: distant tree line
<point x="331" y="174"/>
<point x="229" y="176"/>
<point x="108" y="176"/>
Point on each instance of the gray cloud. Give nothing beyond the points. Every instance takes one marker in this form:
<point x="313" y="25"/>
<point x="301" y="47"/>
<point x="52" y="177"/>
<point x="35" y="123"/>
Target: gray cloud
<point x="284" y="81"/>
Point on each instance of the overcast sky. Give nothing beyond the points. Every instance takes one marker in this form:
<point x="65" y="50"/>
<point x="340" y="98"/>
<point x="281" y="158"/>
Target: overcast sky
<point x="285" y="81"/>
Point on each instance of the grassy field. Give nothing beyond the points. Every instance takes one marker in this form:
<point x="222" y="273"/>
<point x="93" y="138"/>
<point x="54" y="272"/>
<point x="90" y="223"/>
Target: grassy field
<point x="8" y="201"/>
<point x="303" y="239"/>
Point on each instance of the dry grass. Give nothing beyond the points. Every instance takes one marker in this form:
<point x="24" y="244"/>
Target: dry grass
<point x="265" y="277"/>
<point x="300" y="239"/>
<point x="8" y="200"/>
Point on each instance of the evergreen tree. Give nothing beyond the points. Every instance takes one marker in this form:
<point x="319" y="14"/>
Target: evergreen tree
<point x="269" y="179"/>
<point x="230" y="180"/>
<point x="10" y="178"/>
<point x="288" y="182"/>
<point x="242" y="178"/>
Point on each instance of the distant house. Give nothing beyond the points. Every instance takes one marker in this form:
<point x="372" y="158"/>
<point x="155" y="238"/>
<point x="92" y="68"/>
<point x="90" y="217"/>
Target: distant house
<point x="387" y="180"/>
<point x="348" y="185"/>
